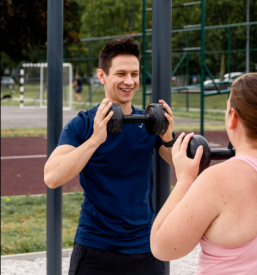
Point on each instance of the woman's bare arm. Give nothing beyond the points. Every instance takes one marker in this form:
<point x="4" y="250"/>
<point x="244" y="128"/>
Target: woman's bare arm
<point x="188" y="211"/>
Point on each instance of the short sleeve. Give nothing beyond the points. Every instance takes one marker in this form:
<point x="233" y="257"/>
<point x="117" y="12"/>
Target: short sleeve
<point x="76" y="131"/>
<point x="158" y="143"/>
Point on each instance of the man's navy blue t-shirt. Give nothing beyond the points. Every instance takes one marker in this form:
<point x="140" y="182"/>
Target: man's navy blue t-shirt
<point x="117" y="211"/>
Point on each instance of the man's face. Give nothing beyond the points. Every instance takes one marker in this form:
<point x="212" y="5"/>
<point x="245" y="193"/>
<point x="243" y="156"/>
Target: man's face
<point x="123" y="79"/>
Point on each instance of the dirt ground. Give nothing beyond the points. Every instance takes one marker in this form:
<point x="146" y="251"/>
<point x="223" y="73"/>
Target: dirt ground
<point x="23" y="160"/>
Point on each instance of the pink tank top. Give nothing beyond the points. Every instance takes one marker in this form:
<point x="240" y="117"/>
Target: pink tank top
<point x="219" y="260"/>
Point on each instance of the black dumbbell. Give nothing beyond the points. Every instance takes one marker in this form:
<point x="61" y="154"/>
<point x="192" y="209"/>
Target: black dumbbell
<point x="155" y="121"/>
<point x="208" y="154"/>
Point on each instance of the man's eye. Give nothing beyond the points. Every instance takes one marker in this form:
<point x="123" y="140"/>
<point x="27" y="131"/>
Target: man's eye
<point x="121" y="74"/>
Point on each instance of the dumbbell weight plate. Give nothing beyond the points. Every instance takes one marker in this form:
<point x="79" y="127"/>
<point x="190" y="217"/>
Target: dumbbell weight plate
<point x="194" y="143"/>
<point x="115" y="124"/>
<point x="157" y="123"/>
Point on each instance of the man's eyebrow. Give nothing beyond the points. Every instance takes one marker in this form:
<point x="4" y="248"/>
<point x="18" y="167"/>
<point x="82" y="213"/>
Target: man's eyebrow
<point x="135" y="71"/>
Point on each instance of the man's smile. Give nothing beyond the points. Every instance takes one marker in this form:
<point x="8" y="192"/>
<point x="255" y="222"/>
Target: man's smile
<point x="126" y="90"/>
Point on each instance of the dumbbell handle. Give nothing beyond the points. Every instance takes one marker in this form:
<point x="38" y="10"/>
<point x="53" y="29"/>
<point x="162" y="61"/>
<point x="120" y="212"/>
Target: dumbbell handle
<point x="222" y="154"/>
<point x="135" y="119"/>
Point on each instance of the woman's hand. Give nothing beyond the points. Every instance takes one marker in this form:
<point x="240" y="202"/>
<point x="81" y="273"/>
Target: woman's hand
<point x="186" y="168"/>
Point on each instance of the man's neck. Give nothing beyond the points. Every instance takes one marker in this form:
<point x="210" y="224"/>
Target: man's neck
<point x="127" y="108"/>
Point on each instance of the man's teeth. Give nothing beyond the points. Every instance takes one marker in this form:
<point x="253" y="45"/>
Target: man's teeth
<point x="126" y="90"/>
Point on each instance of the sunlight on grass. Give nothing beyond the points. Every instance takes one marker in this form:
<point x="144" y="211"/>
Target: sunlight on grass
<point x="23" y="226"/>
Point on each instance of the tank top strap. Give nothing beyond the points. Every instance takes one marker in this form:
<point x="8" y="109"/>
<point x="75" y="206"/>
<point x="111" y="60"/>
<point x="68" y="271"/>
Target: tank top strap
<point x="249" y="159"/>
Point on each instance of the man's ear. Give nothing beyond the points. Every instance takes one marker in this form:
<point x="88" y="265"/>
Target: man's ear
<point x="101" y="76"/>
<point x="233" y="119"/>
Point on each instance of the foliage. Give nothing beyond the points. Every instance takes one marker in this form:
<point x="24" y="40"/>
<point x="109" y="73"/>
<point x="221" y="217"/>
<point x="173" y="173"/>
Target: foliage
<point x="121" y="17"/>
<point x="24" y="29"/>
<point x="23" y="227"/>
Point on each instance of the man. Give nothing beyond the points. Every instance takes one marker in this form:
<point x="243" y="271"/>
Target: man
<point x="78" y="83"/>
<point x="113" y="234"/>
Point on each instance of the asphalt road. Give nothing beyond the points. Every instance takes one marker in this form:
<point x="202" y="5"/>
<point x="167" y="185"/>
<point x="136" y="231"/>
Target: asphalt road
<point x="15" y="117"/>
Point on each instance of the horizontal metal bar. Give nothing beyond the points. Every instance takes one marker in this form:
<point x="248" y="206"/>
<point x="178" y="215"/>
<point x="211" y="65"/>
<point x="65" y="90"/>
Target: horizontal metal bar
<point x="215" y="92"/>
<point x="186" y="4"/>
<point x="109" y="37"/>
<point x="187" y="49"/>
<point x="148" y="9"/>
<point x="225" y="51"/>
<point x="216" y="27"/>
<point x="188" y="28"/>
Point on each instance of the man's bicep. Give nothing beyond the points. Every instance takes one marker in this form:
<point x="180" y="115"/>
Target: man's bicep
<point x="61" y="150"/>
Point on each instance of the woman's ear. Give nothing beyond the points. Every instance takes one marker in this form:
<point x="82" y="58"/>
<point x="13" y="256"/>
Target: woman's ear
<point x="101" y="76"/>
<point x="233" y="119"/>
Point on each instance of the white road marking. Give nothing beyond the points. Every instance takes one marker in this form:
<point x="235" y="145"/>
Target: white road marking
<point x="24" y="157"/>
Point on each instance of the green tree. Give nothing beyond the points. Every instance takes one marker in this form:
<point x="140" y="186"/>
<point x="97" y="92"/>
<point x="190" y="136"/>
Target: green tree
<point x="24" y="29"/>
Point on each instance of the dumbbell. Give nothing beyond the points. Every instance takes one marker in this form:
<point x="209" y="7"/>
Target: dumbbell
<point x="208" y="154"/>
<point x="155" y="121"/>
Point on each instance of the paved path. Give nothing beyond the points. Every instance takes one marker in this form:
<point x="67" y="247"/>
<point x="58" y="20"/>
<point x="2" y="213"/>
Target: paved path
<point x="182" y="266"/>
<point x="15" y="117"/>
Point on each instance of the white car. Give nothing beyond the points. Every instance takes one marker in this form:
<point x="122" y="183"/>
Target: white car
<point x="233" y="76"/>
<point x="94" y="80"/>
<point x="7" y="81"/>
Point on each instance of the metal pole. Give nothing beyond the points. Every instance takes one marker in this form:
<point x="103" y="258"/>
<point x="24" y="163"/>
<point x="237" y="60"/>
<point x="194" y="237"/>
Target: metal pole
<point x="187" y="77"/>
<point x="144" y="52"/>
<point x="54" y="128"/>
<point x="247" y="40"/>
<point x="161" y="89"/>
<point x="229" y="52"/>
<point x="202" y="64"/>
<point x="89" y="71"/>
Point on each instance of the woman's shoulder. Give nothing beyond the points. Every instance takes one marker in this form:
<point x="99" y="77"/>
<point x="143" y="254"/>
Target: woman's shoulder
<point x="229" y="174"/>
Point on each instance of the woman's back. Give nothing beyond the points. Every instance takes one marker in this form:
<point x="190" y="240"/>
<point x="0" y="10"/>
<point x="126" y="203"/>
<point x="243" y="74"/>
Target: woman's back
<point x="229" y="246"/>
<point x="219" y="207"/>
<point x="237" y="222"/>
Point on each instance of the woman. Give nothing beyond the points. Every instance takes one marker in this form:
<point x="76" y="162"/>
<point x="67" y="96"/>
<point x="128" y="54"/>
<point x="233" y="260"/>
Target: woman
<point x="218" y="208"/>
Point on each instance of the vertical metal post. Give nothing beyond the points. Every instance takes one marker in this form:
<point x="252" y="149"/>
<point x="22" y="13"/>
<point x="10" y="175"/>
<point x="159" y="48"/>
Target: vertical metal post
<point x="89" y="71"/>
<point x="187" y="60"/>
<point x="161" y="89"/>
<point x="144" y="53"/>
<point x="229" y="52"/>
<point x="22" y="80"/>
<point x="54" y="128"/>
<point x="202" y="63"/>
<point x="247" y="40"/>
<point x="42" y="56"/>
<point x="187" y="75"/>
<point x="41" y="104"/>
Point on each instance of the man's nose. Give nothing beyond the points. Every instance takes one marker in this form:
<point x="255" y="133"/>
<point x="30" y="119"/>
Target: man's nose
<point x="128" y="80"/>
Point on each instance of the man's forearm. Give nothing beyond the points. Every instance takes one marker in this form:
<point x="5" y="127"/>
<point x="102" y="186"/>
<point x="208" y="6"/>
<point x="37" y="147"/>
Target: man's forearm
<point x="62" y="168"/>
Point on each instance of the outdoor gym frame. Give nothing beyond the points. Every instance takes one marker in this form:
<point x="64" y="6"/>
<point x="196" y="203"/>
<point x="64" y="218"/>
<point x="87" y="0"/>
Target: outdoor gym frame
<point x="161" y="86"/>
<point x="161" y="89"/>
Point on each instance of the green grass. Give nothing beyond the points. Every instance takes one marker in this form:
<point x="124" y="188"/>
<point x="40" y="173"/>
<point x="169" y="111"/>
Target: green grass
<point x="178" y="99"/>
<point x="23" y="222"/>
<point x="36" y="132"/>
<point x="23" y="132"/>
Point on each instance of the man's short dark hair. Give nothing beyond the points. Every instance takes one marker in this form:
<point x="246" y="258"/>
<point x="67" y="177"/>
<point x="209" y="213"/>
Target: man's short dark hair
<point x="123" y="45"/>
